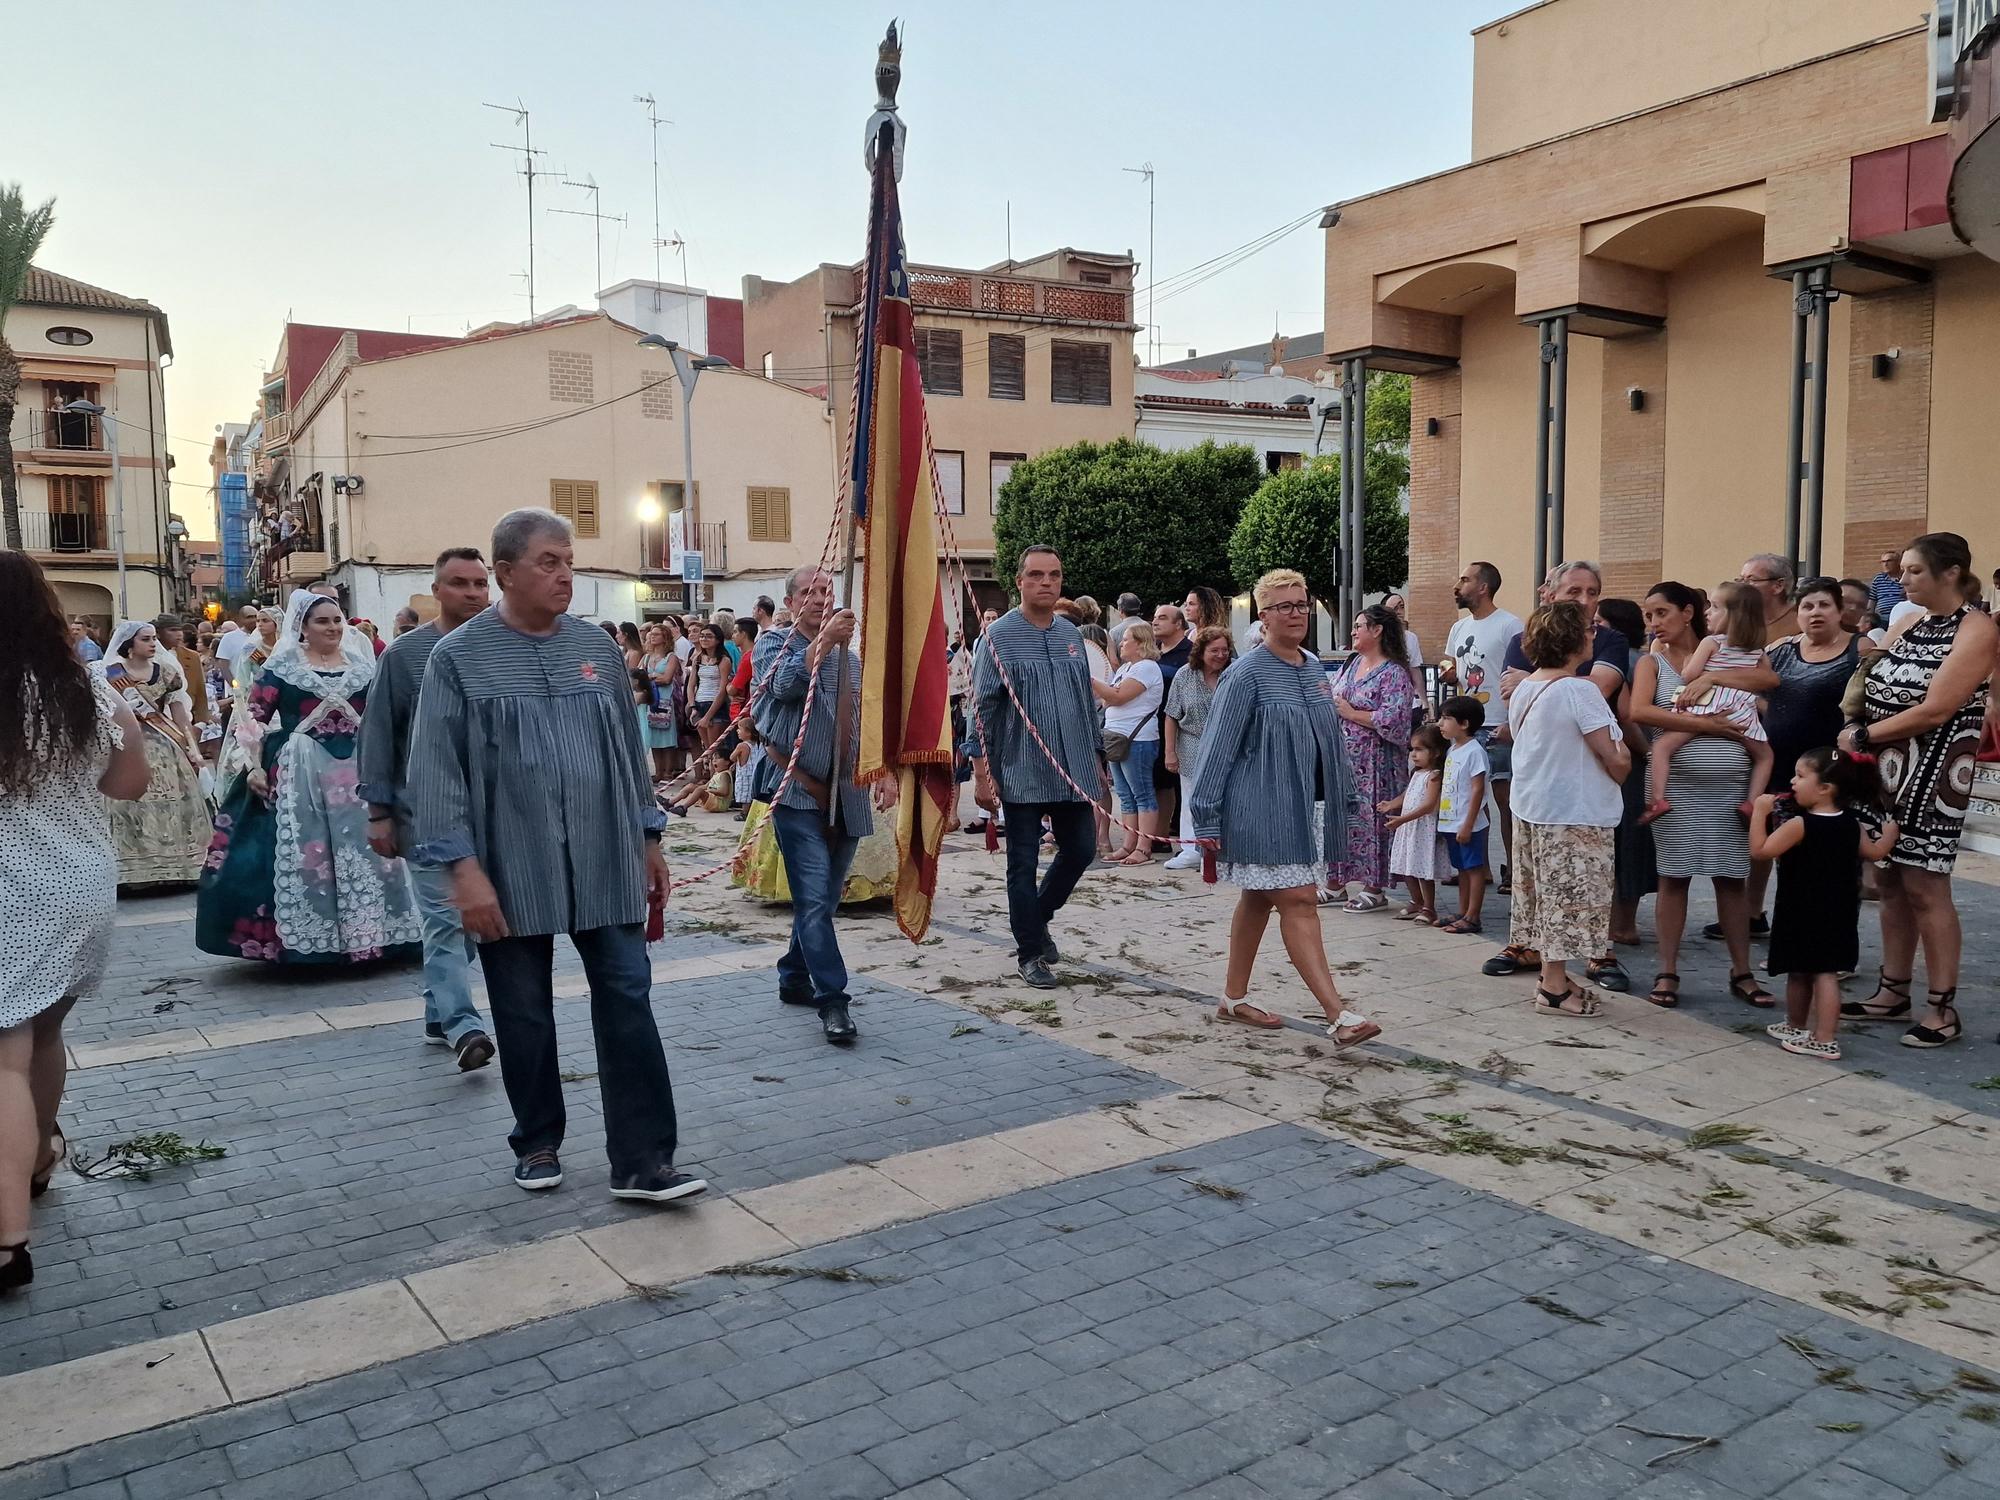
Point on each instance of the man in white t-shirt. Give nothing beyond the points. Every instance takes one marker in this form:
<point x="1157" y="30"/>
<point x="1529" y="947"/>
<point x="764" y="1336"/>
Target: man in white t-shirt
<point x="234" y="643"/>
<point x="1475" y="654"/>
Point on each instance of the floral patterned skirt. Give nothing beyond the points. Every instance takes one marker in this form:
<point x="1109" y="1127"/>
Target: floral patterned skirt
<point x="258" y="886"/>
<point x="1563" y="879"/>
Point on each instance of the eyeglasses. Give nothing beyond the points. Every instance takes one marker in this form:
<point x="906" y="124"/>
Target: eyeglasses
<point x="1759" y="578"/>
<point x="1288" y="607"/>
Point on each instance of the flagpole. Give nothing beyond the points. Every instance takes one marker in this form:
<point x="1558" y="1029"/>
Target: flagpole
<point x="882" y="150"/>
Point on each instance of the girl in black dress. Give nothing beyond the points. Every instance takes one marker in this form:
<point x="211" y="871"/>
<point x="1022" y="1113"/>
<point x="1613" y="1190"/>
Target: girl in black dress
<point x="1819" y="835"/>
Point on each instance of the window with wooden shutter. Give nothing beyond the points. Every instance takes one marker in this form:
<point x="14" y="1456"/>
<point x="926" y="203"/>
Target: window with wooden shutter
<point x="941" y="359"/>
<point x="1079" y="374"/>
<point x="1006" y="367"/>
<point x="575" y="500"/>
<point x="770" y="510"/>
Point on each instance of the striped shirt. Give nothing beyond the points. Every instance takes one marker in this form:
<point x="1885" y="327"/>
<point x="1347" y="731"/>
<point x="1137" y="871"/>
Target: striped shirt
<point x="384" y="753"/>
<point x="526" y="756"/>
<point x="1050" y="672"/>
<point x="783" y="675"/>
<point x="1271" y="748"/>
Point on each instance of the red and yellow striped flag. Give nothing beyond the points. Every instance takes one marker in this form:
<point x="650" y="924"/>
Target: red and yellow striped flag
<point x="905" y="698"/>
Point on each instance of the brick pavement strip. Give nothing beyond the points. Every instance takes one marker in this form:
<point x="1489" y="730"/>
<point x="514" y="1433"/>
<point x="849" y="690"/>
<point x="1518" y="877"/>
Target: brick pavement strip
<point x="321" y="1338"/>
<point x="347" y="1165"/>
<point x="1358" y="1387"/>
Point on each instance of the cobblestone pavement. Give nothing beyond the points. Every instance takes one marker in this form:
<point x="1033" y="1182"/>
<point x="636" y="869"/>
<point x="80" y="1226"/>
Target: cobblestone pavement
<point x="1088" y="1244"/>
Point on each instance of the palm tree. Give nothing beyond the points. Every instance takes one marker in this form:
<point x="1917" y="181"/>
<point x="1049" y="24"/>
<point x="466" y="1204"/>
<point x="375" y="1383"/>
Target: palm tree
<point x="21" y="234"/>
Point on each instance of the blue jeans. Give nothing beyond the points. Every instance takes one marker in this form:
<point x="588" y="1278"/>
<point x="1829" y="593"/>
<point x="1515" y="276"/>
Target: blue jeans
<point x="1030" y="906"/>
<point x="448" y="956"/>
<point x="640" y="1130"/>
<point x="1133" y="776"/>
<point x="817" y="859"/>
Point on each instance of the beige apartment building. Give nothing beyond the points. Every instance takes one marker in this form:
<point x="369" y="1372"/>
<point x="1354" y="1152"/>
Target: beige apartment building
<point x="1615" y="312"/>
<point x="394" y="458"/>
<point x="1017" y="359"/>
<point x="110" y="555"/>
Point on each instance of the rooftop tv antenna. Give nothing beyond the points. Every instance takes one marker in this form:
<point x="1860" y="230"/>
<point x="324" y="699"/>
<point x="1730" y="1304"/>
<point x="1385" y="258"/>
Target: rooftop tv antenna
<point x="596" y="215"/>
<point x="529" y="172"/>
<point x="655" y="122"/>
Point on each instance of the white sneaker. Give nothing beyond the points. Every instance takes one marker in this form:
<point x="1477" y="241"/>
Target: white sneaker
<point x="1187" y="859"/>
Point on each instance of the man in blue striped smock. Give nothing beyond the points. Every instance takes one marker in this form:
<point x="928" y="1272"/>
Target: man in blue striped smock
<point x="1043" y="659"/>
<point x="817" y="850"/>
<point x="458" y="583"/>
<point x="527" y="777"/>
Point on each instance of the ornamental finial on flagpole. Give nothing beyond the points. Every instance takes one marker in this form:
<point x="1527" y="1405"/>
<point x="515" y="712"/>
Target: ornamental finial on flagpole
<point x="888" y="77"/>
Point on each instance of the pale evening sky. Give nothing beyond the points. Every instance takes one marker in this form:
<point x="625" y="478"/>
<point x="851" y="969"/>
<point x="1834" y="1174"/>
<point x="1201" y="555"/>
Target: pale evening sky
<point x="238" y="163"/>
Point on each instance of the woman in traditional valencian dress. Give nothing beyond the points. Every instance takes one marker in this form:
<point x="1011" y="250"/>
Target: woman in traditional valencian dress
<point x="162" y="837"/>
<point x="290" y="877"/>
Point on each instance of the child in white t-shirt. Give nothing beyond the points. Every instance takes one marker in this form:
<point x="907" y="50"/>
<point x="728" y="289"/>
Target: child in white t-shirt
<point x="1462" y="810"/>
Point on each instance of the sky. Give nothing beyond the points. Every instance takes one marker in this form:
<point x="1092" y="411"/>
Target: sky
<point x="238" y="165"/>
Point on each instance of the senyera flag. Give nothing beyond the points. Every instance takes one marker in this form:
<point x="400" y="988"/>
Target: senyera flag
<point x="905" y="716"/>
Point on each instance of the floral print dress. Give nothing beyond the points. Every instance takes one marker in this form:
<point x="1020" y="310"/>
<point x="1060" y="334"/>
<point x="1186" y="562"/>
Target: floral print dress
<point x="1378" y="753"/>
<point x="289" y="877"/>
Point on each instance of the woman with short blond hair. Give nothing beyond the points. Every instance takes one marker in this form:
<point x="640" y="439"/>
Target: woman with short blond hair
<point x="1271" y="750"/>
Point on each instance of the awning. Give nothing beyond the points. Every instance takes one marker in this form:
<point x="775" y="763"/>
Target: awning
<point x="94" y="372"/>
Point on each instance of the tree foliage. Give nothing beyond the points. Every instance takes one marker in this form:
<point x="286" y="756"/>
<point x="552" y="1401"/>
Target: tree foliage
<point x="1126" y="516"/>
<point x="1293" y="521"/>
<point x="22" y="230"/>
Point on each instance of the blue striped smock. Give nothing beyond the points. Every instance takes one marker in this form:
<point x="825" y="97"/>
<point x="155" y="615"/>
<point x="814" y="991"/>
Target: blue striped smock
<point x="1272" y="737"/>
<point x="525" y="755"/>
<point x="1051" y="674"/>
<point x="780" y="703"/>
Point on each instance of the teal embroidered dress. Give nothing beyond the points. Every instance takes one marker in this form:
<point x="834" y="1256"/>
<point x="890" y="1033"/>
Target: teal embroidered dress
<point x="289" y="877"/>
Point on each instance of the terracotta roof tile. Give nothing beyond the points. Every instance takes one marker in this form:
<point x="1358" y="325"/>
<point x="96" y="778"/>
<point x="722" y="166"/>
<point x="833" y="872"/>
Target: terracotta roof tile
<point x="47" y="289"/>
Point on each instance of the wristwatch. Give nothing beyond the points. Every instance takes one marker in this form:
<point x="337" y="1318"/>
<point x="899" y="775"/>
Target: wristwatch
<point x="1860" y="738"/>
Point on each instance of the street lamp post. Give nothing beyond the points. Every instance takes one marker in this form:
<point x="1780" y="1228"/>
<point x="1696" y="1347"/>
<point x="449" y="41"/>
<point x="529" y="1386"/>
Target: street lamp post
<point x="110" y="420"/>
<point x="688" y="368"/>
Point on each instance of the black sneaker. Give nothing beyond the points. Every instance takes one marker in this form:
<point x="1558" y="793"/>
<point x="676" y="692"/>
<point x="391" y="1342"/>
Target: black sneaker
<point x="657" y="1187"/>
<point x="475" y="1050"/>
<point x="1050" y="953"/>
<point x="1760" y="927"/>
<point x="434" y="1034"/>
<point x="1036" y="972"/>
<point x="538" y="1171"/>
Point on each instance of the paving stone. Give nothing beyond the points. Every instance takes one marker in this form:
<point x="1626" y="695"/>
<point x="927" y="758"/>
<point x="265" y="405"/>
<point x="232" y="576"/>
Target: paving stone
<point x="1158" y="1372"/>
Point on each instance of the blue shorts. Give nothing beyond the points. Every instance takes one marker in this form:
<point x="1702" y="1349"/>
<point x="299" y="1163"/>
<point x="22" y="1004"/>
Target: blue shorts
<point x="1470" y="856"/>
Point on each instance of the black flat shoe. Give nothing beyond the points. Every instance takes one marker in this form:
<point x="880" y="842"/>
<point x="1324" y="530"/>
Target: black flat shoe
<point x="1937" y="1036"/>
<point x="17" y="1270"/>
<point x="1745" y="988"/>
<point x="1859" y="1010"/>
<point x="1608" y="974"/>
<point x="799" y="997"/>
<point x="838" y="1025"/>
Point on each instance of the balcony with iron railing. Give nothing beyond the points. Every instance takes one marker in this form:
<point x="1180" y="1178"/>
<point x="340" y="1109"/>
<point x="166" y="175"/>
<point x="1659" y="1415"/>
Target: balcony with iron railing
<point x="64" y="531"/>
<point x="655" y="558"/>
<point x="76" y="434"/>
<point x="977" y="294"/>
